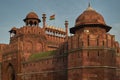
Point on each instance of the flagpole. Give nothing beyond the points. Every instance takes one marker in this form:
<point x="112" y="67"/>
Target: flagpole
<point x="89" y="2"/>
<point x="54" y="22"/>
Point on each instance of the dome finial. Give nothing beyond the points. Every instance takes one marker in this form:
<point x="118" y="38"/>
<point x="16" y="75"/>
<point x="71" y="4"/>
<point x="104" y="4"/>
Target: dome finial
<point x="89" y="7"/>
<point x="89" y="4"/>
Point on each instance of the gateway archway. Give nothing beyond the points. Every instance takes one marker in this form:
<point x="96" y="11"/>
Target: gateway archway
<point x="10" y="72"/>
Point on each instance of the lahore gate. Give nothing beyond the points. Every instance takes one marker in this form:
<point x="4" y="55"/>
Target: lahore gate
<point x="49" y="53"/>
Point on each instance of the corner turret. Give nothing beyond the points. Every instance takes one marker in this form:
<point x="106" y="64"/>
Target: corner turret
<point x="90" y="21"/>
<point x="32" y="19"/>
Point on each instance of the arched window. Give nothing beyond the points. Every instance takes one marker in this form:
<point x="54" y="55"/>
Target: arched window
<point x="98" y="41"/>
<point x="88" y="54"/>
<point x="35" y="23"/>
<point x="88" y="40"/>
<point x="103" y="43"/>
<point x="31" y="23"/>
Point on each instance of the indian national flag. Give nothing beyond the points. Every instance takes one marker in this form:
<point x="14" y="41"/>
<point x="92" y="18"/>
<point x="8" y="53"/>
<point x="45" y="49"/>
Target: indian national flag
<point x="52" y="17"/>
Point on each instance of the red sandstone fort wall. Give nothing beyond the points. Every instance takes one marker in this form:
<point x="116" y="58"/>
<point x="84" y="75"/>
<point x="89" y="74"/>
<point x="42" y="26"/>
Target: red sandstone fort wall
<point x="90" y="52"/>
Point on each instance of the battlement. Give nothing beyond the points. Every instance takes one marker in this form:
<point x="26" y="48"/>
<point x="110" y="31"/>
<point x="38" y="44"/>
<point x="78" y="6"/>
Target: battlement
<point x="26" y="30"/>
<point x="9" y="49"/>
<point x="2" y="46"/>
<point x="52" y="30"/>
<point x="55" y="36"/>
<point x="92" y="40"/>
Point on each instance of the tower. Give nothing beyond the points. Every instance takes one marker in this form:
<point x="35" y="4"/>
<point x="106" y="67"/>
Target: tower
<point x="32" y="19"/>
<point x="91" y="50"/>
<point x="44" y="20"/>
<point x="25" y="41"/>
<point x="48" y="53"/>
<point x="66" y="29"/>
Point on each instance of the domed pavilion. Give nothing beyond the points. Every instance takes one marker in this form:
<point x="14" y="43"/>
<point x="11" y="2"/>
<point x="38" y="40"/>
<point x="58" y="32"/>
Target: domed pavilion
<point x="89" y="18"/>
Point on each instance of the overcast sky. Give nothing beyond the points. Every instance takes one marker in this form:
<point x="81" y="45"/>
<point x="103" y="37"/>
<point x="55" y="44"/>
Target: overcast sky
<point x="12" y="13"/>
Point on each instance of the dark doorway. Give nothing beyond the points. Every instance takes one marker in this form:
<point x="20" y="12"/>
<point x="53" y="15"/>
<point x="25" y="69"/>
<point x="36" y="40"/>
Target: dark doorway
<point x="11" y="72"/>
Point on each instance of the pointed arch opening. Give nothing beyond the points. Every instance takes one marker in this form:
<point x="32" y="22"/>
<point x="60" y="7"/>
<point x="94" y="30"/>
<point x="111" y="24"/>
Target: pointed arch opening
<point x="10" y="72"/>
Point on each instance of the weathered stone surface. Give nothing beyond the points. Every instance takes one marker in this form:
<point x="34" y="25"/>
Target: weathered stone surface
<point x="48" y="53"/>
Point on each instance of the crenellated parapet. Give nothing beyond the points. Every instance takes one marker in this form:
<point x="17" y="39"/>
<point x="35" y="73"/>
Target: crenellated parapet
<point x="2" y="47"/>
<point x="25" y="30"/>
<point x="10" y="49"/>
<point x="92" y="40"/>
<point x="92" y="49"/>
<point x="55" y="36"/>
<point x="52" y="30"/>
<point x="117" y="61"/>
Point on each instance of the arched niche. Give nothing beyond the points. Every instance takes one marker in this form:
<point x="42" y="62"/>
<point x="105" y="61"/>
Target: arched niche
<point x="10" y="72"/>
<point x="39" y="47"/>
<point x="28" y="47"/>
